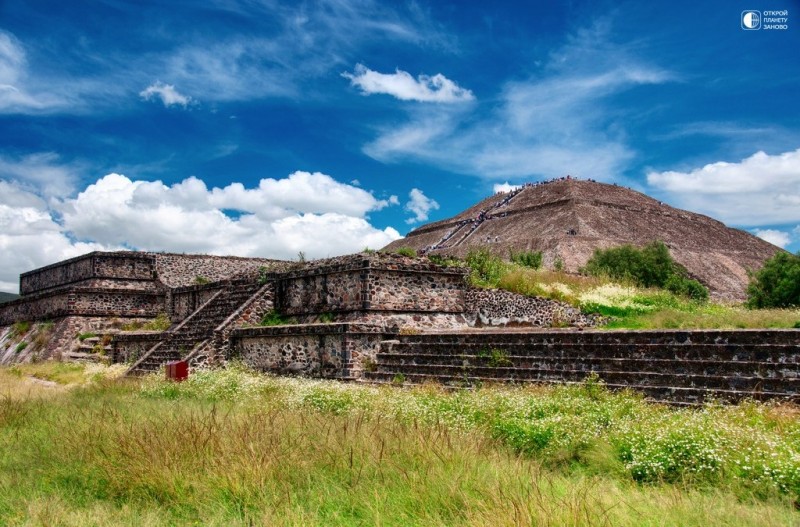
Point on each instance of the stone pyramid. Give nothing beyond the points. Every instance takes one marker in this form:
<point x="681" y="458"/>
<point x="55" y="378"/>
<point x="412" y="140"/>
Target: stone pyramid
<point x="567" y="219"/>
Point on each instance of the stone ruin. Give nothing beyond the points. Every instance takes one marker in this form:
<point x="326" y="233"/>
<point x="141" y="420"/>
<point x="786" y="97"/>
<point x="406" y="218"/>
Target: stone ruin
<point x="376" y="317"/>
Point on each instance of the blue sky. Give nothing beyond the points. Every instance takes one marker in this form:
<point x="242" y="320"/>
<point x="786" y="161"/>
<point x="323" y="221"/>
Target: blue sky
<point x="266" y="128"/>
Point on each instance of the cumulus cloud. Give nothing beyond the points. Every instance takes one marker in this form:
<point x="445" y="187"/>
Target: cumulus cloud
<point x="166" y="93"/>
<point x="503" y="187"/>
<point x="774" y="236"/>
<point x="309" y="212"/>
<point x="420" y="205"/>
<point x="762" y="189"/>
<point x="29" y="236"/>
<point x="272" y="219"/>
<point x="403" y="86"/>
<point x="560" y="119"/>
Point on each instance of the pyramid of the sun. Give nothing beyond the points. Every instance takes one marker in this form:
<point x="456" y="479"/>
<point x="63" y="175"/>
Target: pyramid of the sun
<point x="568" y="219"/>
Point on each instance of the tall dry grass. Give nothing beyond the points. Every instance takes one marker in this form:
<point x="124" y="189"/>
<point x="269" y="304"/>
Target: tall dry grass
<point x="291" y="452"/>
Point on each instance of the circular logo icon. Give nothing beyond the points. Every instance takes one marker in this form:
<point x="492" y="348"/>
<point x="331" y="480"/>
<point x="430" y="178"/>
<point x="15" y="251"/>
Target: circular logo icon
<point x="751" y="20"/>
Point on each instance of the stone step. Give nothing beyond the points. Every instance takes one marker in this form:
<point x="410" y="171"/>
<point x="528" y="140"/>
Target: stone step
<point x="790" y="337"/>
<point x="761" y="352"/>
<point x="704" y="366"/>
<point x="777" y="385"/>
<point x="673" y="395"/>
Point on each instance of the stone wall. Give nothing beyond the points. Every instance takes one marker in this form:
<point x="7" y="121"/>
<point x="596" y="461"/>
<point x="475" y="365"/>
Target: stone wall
<point x="130" y="346"/>
<point x="674" y="365"/>
<point x="496" y="307"/>
<point x="186" y="300"/>
<point x="83" y="302"/>
<point x="179" y="270"/>
<point x="370" y="283"/>
<point x="121" y="265"/>
<point x="322" y="350"/>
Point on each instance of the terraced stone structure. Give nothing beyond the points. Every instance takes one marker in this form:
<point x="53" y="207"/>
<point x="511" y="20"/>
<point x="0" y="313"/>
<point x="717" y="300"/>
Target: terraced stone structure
<point x="375" y="317"/>
<point x="567" y="219"/>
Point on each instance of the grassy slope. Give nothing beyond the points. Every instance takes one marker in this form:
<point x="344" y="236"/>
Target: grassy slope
<point x="233" y="448"/>
<point x="637" y="308"/>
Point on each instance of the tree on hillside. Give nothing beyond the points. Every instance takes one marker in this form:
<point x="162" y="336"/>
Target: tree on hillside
<point x="777" y="284"/>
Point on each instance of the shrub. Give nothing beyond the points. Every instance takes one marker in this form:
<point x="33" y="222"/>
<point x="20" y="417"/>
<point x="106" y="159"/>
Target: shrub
<point x="273" y="318"/>
<point x="486" y="268"/>
<point x="21" y="346"/>
<point x="532" y="259"/>
<point x="84" y="336"/>
<point x="681" y="285"/>
<point x="326" y="318"/>
<point x="496" y="358"/>
<point x="160" y="323"/>
<point x="650" y="266"/>
<point x="406" y="251"/>
<point x="20" y="328"/>
<point x="201" y="280"/>
<point x="447" y="261"/>
<point x="777" y="284"/>
<point x="558" y="264"/>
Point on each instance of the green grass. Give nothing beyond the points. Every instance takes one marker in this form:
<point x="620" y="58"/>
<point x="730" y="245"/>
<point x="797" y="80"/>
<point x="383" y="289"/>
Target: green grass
<point x="629" y="306"/>
<point x="235" y="448"/>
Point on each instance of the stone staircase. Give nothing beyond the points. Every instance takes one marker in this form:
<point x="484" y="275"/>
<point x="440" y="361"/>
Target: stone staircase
<point x="91" y="349"/>
<point x="194" y="331"/>
<point x="662" y="365"/>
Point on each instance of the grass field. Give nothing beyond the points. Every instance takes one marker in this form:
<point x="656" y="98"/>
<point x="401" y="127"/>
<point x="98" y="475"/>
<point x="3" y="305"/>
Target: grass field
<point x="80" y="447"/>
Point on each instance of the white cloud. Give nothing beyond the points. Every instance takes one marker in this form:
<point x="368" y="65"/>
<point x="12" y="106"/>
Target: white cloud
<point x="29" y="236"/>
<point x="759" y="190"/>
<point x="16" y="96"/>
<point x="274" y="218"/>
<point x="773" y="236"/>
<point x="305" y="212"/>
<point x="42" y="171"/>
<point x="419" y="205"/>
<point x="403" y="86"/>
<point x="503" y="187"/>
<point x="290" y="44"/>
<point x="166" y="92"/>
<point x="557" y="121"/>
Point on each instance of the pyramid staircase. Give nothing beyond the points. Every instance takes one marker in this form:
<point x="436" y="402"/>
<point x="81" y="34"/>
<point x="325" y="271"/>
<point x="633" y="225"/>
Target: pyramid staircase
<point x="732" y="367"/>
<point x="192" y="333"/>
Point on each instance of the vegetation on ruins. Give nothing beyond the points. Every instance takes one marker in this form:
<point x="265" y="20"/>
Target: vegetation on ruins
<point x="231" y="447"/>
<point x="532" y="259"/>
<point x="649" y="266"/>
<point x="201" y="280"/>
<point x="777" y="283"/>
<point x="273" y="318"/>
<point x="631" y="306"/>
<point x="160" y="323"/>
<point x="406" y="251"/>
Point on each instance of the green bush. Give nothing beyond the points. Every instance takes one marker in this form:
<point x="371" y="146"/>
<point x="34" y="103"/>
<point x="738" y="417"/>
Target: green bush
<point x="681" y="285"/>
<point x="650" y="266"/>
<point x="21" y="346"/>
<point x="273" y="318"/>
<point x="777" y="284"/>
<point x="486" y="268"/>
<point x="406" y="251"/>
<point x="84" y="336"/>
<point x="532" y="259"/>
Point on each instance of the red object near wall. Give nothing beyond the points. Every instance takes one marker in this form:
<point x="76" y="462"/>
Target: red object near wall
<point x="177" y="371"/>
